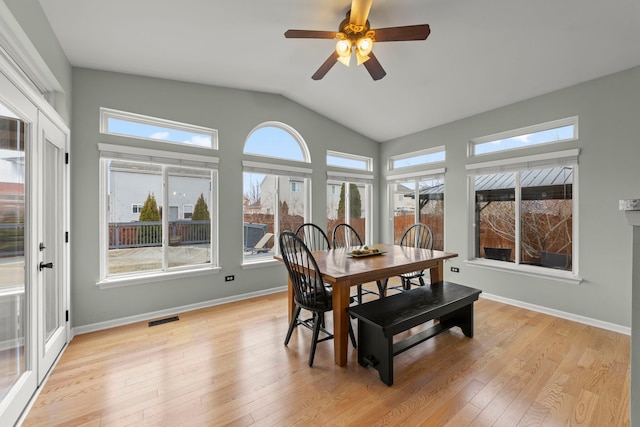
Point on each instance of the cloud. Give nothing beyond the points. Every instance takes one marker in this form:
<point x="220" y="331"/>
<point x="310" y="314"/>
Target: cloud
<point x="200" y="141"/>
<point x="160" y="135"/>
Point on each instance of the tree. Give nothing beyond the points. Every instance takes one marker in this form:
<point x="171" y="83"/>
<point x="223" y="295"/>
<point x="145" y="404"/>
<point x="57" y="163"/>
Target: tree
<point x="355" y="203"/>
<point x="152" y="233"/>
<point x="201" y="211"/>
<point x="150" y="210"/>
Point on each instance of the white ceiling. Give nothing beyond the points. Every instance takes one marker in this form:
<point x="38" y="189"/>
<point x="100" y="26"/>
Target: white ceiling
<point x="481" y="54"/>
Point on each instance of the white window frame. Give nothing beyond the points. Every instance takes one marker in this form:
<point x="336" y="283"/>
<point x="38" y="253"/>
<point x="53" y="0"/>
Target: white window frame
<point x="337" y="178"/>
<point x="414" y="154"/>
<point x="368" y="161"/>
<point x="519" y="164"/>
<point x="108" y="113"/>
<point x="165" y="158"/>
<point x="136" y="208"/>
<point x="541" y="127"/>
<point x="417" y="177"/>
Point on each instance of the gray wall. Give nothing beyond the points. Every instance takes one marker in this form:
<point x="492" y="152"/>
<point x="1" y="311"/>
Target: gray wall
<point x="234" y="113"/>
<point x="609" y="139"/>
<point x="35" y="24"/>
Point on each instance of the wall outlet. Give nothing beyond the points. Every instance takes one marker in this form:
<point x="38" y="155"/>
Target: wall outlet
<point x="455" y="269"/>
<point x="229" y="278"/>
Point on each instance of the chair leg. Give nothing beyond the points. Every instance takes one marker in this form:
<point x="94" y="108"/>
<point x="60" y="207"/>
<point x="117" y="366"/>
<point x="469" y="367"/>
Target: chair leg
<point x="317" y="318"/>
<point x="421" y="281"/>
<point x="352" y="335"/>
<point x="293" y="324"/>
<point x="382" y="287"/>
<point x="359" y="294"/>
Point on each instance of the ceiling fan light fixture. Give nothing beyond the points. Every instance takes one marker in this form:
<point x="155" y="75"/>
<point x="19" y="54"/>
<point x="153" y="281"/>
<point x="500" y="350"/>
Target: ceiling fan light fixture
<point x="343" y="48"/>
<point x="361" y="58"/>
<point x="364" y="45"/>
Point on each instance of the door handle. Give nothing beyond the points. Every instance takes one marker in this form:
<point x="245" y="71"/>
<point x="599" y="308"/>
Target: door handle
<point x="43" y="265"/>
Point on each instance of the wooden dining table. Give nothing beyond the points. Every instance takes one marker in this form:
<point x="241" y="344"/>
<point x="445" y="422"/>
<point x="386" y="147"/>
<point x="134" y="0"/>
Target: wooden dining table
<point x="342" y="271"/>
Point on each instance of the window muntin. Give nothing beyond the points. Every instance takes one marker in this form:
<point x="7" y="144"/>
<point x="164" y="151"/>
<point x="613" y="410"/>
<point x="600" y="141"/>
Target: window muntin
<point x="551" y="132"/>
<point x="152" y="128"/>
<point x="136" y="208"/>
<point x="277" y="140"/>
<point x="418" y="198"/>
<point x="524" y="210"/>
<point x="417" y="158"/>
<point x="349" y="161"/>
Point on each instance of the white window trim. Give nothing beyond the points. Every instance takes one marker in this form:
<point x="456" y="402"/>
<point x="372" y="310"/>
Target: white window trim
<point x="168" y="158"/>
<point x="368" y="160"/>
<point x="418" y="153"/>
<point x="108" y="113"/>
<point x="557" y="158"/>
<point x="540" y="127"/>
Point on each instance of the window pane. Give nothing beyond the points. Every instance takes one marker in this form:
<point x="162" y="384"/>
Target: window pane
<point x="554" y="134"/>
<point x="351" y="162"/>
<point x="156" y="132"/>
<point x="189" y="239"/>
<point x="546" y="215"/>
<point x="404" y="207"/>
<point x="408" y="160"/>
<point x="495" y="216"/>
<point x="273" y="141"/>
<point x="355" y="204"/>
<point x="135" y="240"/>
<point x="432" y="209"/>
<point x="291" y="211"/>
<point x="12" y="266"/>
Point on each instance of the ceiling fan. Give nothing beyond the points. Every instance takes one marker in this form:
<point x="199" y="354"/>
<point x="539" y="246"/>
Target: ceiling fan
<point x="355" y="35"/>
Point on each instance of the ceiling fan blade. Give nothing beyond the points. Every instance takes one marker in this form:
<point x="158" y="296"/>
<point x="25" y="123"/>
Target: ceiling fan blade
<point x="360" y="11"/>
<point x="326" y="66"/>
<point x="374" y="68"/>
<point x="309" y="34"/>
<point x="397" y="34"/>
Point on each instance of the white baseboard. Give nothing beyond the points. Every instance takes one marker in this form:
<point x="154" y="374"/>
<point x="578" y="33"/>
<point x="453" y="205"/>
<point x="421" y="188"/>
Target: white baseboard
<point x="562" y="314"/>
<point x="78" y="330"/>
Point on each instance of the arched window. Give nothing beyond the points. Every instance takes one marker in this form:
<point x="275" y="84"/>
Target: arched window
<point x="274" y="139"/>
<point x="275" y="193"/>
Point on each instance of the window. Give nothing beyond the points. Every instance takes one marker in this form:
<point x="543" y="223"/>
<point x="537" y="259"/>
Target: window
<point x="551" y="132"/>
<point x="136" y="208"/>
<point x="187" y="211"/>
<point x="418" y="198"/>
<point x="349" y="161"/>
<point x="143" y="246"/>
<point x="144" y="127"/>
<point x="523" y="211"/>
<point x="276" y="195"/>
<point x="417" y="158"/>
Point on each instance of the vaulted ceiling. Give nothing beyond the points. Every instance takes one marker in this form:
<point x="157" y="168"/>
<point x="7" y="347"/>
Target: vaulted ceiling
<point x="480" y="55"/>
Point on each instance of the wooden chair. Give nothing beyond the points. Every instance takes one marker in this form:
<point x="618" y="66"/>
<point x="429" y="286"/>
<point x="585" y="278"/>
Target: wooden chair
<point x="310" y="292"/>
<point x="313" y="237"/>
<point x="419" y="235"/>
<point x="345" y="236"/>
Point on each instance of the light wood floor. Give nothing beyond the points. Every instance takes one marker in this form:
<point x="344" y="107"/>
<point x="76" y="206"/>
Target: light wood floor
<point x="226" y="365"/>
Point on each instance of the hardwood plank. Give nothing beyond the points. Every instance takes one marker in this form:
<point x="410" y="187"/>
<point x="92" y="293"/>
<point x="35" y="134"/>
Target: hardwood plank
<point x="226" y="365"/>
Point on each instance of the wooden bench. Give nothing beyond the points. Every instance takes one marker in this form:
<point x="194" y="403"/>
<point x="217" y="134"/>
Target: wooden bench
<point x="380" y="320"/>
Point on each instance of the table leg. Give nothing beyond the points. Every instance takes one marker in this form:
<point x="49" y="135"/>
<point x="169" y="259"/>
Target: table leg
<point x="340" y="323"/>
<point x="437" y="274"/>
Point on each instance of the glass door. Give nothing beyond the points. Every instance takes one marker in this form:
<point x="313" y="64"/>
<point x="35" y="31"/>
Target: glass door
<point x="18" y="377"/>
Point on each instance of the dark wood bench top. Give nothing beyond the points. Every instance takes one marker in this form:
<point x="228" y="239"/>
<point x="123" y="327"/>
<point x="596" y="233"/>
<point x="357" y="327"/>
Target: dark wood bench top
<point x="399" y="312"/>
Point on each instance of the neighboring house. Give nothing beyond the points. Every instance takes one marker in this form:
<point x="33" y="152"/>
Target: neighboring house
<point x="130" y="187"/>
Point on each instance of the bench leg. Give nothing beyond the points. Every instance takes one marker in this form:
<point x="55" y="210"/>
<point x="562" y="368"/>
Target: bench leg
<point x="462" y="317"/>
<point x="375" y="350"/>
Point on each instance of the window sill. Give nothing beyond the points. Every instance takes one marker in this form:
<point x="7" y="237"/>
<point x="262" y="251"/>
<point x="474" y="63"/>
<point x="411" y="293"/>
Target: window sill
<point x="138" y="279"/>
<point x="527" y="270"/>
<point x="266" y="262"/>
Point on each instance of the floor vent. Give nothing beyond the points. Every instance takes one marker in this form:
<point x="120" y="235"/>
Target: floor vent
<point x="161" y="321"/>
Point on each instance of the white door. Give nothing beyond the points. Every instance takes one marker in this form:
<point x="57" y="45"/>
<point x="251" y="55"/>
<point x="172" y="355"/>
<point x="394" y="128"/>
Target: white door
<point x="52" y="301"/>
<point x="33" y="203"/>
